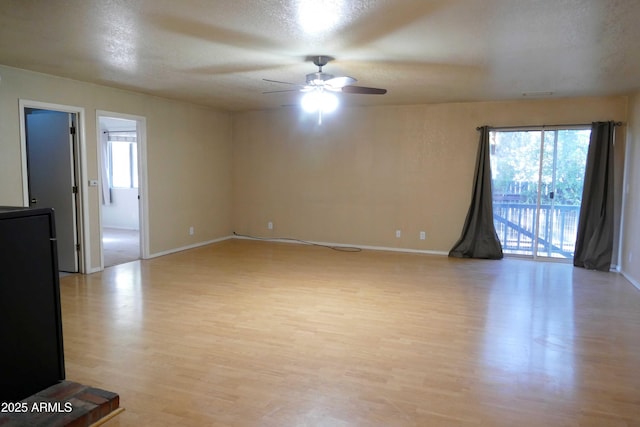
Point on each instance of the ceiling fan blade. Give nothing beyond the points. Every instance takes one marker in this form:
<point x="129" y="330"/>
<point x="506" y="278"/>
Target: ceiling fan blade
<point x="283" y="90"/>
<point x="339" y="82"/>
<point x="364" y="90"/>
<point x="284" y="83"/>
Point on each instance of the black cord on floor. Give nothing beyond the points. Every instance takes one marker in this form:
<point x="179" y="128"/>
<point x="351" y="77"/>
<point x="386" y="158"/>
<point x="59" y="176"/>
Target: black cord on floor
<point x="335" y="248"/>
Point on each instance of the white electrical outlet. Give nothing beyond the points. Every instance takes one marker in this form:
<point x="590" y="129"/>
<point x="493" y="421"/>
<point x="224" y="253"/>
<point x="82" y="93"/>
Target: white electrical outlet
<point x="398" y="233"/>
<point x="423" y="235"/>
<point x="270" y="225"/>
<point x="191" y="230"/>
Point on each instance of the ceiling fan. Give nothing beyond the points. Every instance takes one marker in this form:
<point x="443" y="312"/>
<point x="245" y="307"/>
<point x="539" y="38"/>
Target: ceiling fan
<point x="320" y="81"/>
<point x="319" y="85"/>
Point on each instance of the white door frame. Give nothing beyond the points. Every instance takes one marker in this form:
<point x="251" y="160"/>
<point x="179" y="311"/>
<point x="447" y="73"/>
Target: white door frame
<point x="143" y="203"/>
<point x="81" y="164"/>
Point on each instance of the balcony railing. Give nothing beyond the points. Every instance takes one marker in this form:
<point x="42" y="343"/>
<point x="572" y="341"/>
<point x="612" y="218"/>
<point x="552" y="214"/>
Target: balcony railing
<point x="515" y="225"/>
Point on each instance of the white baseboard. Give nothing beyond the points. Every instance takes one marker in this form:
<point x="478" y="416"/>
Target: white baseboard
<point x="93" y="270"/>
<point x="631" y="280"/>
<point x="344" y="245"/>
<point x="193" y="246"/>
<point x="298" y="242"/>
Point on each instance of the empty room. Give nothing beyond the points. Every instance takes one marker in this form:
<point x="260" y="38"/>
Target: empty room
<point x="337" y="213"/>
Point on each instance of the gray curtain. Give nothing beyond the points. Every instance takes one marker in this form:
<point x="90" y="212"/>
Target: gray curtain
<point x="594" y="241"/>
<point x="479" y="238"/>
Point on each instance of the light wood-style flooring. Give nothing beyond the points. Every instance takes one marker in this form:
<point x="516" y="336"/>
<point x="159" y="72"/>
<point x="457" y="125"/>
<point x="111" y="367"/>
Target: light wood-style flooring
<point x="245" y="333"/>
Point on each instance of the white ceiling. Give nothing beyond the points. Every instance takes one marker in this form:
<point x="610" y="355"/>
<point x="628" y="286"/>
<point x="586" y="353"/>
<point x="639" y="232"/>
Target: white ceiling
<point x="216" y="52"/>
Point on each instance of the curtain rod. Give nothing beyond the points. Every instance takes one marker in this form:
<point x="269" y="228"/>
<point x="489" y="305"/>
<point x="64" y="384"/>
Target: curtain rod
<point x="545" y="126"/>
<point x="119" y="131"/>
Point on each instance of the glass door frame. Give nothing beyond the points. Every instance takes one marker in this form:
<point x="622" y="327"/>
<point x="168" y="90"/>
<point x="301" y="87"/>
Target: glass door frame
<point x="535" y="249"/>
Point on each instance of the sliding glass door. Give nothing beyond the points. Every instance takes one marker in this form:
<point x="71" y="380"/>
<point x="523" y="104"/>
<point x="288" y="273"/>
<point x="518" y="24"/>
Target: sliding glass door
<point x="537" y="180"/>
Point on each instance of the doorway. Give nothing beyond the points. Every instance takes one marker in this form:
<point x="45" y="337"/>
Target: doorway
<point x="52" y="171"/>
<point x="537" y="182"/>
<point x="120" y="212"/>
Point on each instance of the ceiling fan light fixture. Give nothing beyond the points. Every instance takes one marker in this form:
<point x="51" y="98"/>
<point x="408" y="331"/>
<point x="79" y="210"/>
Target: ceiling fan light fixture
<point x="318" y="79"/>
<point x="319" y="91"/>
<point x="319" y="101"/>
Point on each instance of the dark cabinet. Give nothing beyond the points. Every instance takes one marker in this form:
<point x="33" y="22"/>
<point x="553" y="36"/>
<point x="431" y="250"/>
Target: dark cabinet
<point x="31" y="348"/>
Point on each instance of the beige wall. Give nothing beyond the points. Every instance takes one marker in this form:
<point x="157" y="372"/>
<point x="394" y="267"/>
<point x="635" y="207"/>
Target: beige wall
<point x="631" y="224"/>
<point x="356" y="179"/>
<point x="188" y="148"/>
<point x="369" y="171"/>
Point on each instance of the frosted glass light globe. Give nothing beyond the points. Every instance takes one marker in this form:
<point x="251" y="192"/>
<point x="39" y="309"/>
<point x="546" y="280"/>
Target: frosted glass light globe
<point x="319" y="101"/>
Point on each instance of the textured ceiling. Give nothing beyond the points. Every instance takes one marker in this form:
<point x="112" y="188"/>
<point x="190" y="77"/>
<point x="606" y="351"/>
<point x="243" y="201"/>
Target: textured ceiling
<point x="216" y="52"/>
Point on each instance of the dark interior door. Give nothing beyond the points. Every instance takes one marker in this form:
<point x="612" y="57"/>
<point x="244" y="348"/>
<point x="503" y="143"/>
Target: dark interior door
<point x="51" y="176"/>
